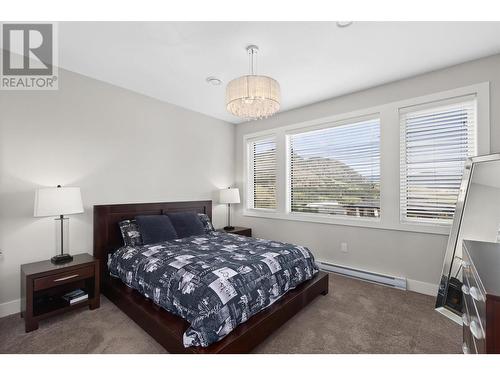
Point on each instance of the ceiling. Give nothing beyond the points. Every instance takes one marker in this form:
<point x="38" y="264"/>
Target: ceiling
<point x="312" y="61"/>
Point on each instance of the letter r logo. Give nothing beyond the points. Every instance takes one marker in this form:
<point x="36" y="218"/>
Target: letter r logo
<point x="27" y="49"/>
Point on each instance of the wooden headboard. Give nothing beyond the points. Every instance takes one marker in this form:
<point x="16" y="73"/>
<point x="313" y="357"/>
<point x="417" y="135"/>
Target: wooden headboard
<point x="107" y="236"/>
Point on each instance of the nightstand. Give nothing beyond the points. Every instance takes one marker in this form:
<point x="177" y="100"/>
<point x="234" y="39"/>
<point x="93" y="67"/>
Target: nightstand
<point x="239" y="230"/>
<point x="43" y="285"/>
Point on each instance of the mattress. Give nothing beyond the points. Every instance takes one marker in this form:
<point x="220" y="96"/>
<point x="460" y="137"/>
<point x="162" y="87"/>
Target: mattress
<point x="215" y="281"/>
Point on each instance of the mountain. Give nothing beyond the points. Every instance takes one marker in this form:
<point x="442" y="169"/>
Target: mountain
<point x="321" y="184"/>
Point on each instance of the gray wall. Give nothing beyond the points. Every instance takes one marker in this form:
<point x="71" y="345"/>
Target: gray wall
<point x="417" y="256"/>
<point x="118" y="146"/>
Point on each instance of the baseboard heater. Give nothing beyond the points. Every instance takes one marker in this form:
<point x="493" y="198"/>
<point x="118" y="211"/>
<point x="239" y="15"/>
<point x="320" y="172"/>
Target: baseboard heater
<point x="377" y="278"/>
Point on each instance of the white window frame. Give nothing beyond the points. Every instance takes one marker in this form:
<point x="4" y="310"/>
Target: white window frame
<point x="425" y="106"/>
<point x="249" y="201"/>
<point x="326" y="125"/>
<point x="389" y="160"/>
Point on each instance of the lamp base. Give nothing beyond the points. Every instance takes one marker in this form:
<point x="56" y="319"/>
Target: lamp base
<point x="62" y="258"/>
<point x="229" y="228"/>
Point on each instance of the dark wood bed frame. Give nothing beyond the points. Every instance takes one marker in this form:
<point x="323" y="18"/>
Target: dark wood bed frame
<point x="165" y="327"/>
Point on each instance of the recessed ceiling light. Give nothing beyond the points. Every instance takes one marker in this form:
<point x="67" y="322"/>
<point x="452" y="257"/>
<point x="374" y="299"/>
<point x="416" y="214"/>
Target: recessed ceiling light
<point x="343" y="24"/>
<point x="214" y="81"/>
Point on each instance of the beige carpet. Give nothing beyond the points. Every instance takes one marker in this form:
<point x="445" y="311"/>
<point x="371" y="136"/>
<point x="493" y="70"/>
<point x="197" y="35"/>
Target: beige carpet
<point x="355" y="317"/>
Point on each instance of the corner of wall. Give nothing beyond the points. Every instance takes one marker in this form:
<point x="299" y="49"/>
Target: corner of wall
<point x="10" y="307"/>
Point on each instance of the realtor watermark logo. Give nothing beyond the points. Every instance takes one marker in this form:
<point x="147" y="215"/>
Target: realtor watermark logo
<point x="29" y="56"/>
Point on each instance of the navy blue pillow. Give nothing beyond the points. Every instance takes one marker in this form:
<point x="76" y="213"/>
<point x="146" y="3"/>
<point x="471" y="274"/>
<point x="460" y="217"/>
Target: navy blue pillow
<point x="186" y="224"/>
<point x="155" y="228"/>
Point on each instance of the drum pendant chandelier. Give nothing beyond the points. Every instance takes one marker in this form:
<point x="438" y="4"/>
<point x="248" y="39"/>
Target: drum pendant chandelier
<point x="252" y="96"/>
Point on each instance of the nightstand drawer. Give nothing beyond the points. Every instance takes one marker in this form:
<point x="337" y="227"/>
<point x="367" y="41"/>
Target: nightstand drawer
<point x="62" y="278"/>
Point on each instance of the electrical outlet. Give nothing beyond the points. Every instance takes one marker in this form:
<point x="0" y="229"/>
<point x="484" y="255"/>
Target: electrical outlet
<point x="343" y="247"/>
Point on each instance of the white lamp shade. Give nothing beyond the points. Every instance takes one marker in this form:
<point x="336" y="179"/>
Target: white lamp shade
<point x="58" y="201"/>
<point x="231" y="195"/>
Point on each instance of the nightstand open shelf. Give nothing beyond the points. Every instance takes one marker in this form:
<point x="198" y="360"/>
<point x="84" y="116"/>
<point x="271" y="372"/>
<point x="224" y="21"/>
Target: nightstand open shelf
<point x="48" y="301"/>
<point x="54" y="307"/>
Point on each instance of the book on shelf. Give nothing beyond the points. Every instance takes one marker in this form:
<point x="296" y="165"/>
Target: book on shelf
<point x="76" y="296"/>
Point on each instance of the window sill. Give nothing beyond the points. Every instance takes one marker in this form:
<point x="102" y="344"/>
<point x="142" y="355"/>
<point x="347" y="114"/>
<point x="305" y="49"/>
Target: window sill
<point x="375" y="223"/>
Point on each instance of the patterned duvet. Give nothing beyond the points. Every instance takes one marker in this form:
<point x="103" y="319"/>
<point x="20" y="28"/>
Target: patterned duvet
<point x="215" y="281"/>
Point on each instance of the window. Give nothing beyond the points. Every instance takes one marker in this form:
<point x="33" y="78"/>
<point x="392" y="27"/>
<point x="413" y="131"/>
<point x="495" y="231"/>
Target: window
<point x="336" y="170"/>
<point x="395" y="166"/>
<point x="263" y="174"/>
<point x="435" y="143"/>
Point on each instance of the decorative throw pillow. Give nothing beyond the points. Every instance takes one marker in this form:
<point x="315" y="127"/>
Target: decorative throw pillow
<point x="155" y="228"/>
<point x="186" y="224"/>
<point x="207" y="224"/>
<point x="130" y="233"/>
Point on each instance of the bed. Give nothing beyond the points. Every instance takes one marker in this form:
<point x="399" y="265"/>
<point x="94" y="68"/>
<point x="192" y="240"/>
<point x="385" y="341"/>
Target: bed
<point x="170" y="329"/>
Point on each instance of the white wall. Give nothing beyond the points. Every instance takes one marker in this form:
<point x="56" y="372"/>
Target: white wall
<point x="417" y="256"/>
<point x="118" y="146"/>
<point x="481" y="219"/>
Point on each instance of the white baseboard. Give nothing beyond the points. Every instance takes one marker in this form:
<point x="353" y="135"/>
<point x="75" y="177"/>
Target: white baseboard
<point x="9" y="308"/>
<point x="422" y="287"/>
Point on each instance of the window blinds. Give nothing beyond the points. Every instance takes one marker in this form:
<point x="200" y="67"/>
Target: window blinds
<point x="435" y="143"/>
<point x="336" y="171"/>
<point x="264" y="173"/>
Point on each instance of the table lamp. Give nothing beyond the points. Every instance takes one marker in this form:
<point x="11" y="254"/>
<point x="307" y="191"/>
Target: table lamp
<point x="59" y="201"/>
<point x="228" y="196"/>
